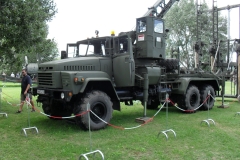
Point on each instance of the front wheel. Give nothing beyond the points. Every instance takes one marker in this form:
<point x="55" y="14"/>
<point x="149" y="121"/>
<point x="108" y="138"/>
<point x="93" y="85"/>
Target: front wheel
<point x="100" y="104"/>
<point x="46" y="108"/>
<point x="56" y="110"/>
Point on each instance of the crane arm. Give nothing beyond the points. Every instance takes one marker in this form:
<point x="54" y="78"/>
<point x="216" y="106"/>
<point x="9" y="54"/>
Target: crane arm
<point x="164" y="7"/>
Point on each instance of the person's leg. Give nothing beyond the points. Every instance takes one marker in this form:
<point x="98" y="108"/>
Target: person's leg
<point x="22" y="99"/>
<point x="31" y="102"/>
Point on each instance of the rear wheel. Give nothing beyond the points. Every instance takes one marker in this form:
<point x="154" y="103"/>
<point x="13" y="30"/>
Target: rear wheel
<point x="204" y="95"/>
<point x="192" y="98"/>
<point x="100" y="104"/>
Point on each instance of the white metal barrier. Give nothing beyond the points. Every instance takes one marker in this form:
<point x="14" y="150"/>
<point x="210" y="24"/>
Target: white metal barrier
<point x="208" y="119"/>
<point x="165" y="133"/>
<point x="168" y="130"/>
<point x="4" y="114"/>
<point x="93" y="152"/>
<point x="29" y="127"/>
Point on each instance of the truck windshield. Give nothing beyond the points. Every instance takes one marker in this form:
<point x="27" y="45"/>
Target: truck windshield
<point x="72" y="51"/>
<point x="92" y="48"/>
<point x="85" y="49"/>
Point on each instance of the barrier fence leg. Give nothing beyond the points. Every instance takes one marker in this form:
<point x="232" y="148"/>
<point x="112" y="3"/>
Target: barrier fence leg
<point x="238" y="113"/>
<point x="168" y="130"/>
<point x="208" y="119"/>
<point x="85" y="155"/>
<point x="29" y="126"/>
<point x="93" y="152"/>
<point x="223" y="93"/>
<point x="4" y="114"/>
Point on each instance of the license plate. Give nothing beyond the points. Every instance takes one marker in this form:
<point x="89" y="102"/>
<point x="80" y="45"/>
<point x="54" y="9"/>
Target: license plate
<point x="40" y="91"/>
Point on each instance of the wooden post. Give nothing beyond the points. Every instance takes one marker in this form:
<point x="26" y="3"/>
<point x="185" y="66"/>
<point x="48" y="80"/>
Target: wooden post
<point x="212" y="61"/>
<point x="196" y="60"/>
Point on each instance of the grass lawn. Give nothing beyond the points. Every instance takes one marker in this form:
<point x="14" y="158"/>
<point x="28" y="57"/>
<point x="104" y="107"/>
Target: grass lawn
<point x="61" y="140"/>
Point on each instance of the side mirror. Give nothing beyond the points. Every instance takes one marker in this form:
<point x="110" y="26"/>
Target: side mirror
<point x="167" y="30"/>
<point x="63" y="54"/>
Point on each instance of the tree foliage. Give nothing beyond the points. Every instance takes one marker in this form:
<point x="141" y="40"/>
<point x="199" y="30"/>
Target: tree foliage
<point x="24" y="30"/>
<point x="181" y="20"/>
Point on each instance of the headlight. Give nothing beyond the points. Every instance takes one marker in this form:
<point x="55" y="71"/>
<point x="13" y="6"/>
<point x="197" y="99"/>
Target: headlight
<point x="62" y="95"/>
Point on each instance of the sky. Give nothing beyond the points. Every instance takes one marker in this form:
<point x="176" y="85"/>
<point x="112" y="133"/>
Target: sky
<point x="78" y="19"/>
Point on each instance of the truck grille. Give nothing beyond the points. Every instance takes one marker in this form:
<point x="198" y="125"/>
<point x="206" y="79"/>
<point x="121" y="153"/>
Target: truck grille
<point x="45" y="68"/>
<point x="79" y="68"/>
<point x="45" y="79"/>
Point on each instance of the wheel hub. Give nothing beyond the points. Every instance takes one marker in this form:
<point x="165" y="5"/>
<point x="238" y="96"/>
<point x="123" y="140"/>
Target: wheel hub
<point x="99" y="110"/>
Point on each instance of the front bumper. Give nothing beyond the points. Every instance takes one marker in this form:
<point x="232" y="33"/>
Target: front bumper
<point x="56" y="94"/>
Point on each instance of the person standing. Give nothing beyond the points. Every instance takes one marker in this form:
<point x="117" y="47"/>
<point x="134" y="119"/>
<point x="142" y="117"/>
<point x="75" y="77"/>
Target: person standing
<point x="12" y="75"/>
<point x="17" y="75"/>
<point x="25" y="90"/>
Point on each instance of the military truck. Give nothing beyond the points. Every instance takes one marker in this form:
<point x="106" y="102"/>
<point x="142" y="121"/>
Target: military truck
<point x="105" y="71"/>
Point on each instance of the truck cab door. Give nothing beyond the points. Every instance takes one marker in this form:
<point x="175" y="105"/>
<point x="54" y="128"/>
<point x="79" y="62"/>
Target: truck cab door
<point x="123" y="62"/>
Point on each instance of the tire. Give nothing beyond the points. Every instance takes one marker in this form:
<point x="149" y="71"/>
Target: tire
<point x="100" y="104"/>
<point x="192" y="98"/>
<point x="46" y="108"/>
<point x="57" y="109"/>
<point x="204" y="95"/>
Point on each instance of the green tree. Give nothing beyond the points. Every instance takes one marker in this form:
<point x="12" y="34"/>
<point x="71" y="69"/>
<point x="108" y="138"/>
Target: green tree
<point x="182" y="22"/>
<point x="24" y="30"/>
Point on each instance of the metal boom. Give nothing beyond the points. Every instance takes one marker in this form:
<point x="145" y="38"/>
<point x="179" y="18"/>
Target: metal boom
<point x="162" y="5"/>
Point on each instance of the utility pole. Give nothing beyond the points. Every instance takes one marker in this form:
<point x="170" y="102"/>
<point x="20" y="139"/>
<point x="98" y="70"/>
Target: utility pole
<point x="238" y="58"/>
<point x="238" y="69"/>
